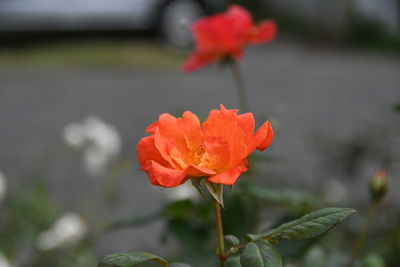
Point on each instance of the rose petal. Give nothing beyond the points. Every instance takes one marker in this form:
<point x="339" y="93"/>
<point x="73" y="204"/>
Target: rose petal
<point x="246" y="122"/>
<point x="197" y="171"/>
<point x="147" y="151"/>
<point x="217" y="153"/>
<point x="167" y="148"/>
<point x="198" y="60"/>
<point x="177" y="137"/>
<point x="211" y="34"/>
<point x="262" y="138"/>
<point x="265" y="32"/>
<point x="230" y="176"/>
<point x="239" y="22"/>
<point x="190" y="126"/>
<point x="151" y="129"/>
<point x="266" y="142"/>
<point x="223" y="123"/>
<point x="166" y="177"/>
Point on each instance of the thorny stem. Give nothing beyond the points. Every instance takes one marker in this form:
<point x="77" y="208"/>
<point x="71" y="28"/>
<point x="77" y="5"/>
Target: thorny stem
<point x="359" y="244"/>
<point x="220" y="234"/>
<point x="241" y="88"/>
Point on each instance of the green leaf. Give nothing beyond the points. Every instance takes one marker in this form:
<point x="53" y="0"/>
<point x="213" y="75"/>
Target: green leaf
<point x="260" y="253"/>
<point x="309" y="226"/>
<point x="178" y="264"/>
<point x="217" y="191"/>
<point x="233" y="240"/>
<point x="233" y="261"/>
<point x="130" y="259"/>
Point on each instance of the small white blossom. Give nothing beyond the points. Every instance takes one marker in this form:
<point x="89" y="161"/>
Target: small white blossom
<point x="66" y="231"/>
<point x="184" y="191"/>
<point x="100" y="141"/>
<point x="3" y="187"/>
<point x="4" y="262"/>
<point x="74" y="134"/>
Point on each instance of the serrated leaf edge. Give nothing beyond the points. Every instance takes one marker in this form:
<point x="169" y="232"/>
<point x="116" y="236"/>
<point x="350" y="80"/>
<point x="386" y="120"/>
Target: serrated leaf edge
<point x="152" y="257"/>
<point x="269" y="235"/>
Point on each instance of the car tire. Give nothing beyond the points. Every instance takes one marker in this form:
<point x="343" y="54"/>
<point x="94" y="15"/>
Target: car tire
<point x="175" y="20"/>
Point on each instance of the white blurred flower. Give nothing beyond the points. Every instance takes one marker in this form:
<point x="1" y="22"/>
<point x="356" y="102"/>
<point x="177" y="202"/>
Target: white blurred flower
<point x="4" y="262"/>
<point x="334" y="191"/>
<point x="99" y="140"/>
<point x="184" y="191"/>
<point x="74" y="134"/>
<point x="66" y="231"/>
<point x="3" y="187"/>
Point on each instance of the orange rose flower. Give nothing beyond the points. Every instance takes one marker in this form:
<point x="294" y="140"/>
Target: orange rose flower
<point x="179" y="149"/>
<point x="225" y="35"/>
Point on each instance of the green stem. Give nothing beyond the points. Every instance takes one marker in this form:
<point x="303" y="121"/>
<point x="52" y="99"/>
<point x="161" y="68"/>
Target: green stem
<point x="220" y="234"/>
<point x="359" y="244"/>
<point x="240" y="86"/>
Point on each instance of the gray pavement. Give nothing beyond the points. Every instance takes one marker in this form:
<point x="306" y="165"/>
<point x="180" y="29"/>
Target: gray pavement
<point x="306" y="92"/>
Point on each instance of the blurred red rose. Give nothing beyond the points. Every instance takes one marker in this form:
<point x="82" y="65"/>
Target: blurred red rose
<point x="225" y="35"/>
<point x="181" y="148"/>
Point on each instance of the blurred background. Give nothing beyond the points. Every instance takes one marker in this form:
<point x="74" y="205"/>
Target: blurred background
<point x="80" y="80"/>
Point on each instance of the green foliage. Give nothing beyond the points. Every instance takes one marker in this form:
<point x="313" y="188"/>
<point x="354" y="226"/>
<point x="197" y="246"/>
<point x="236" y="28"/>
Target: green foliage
<point x="233" y="261"/>
<point x="182" y="209"/>
<point x="189" y="222"/>
<point x="373" y="260"/>
<point x="372" y="34"/>
<point x="26" y="214"/>
<point x="396" y="108"/>
<point x="80" y="255"/>
<point x="292" y="198"/>
<point x="293" y="250"/>
<point x="217" y="192"/>
<point x="233" y="240"/>
<point x="197" y="183"/>
<point x="308" y="226"/>
<point x="186" y="221"/>
<point x="240" y="214"/>
<point x="193" y="236"/>
<point x="130" y="259"/>
<point x="260" y="253"/>
<point x="135" y="259"/>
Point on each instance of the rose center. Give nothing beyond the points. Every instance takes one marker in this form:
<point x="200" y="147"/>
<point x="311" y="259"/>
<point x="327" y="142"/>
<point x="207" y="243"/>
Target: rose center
<point x="195" y="155"/>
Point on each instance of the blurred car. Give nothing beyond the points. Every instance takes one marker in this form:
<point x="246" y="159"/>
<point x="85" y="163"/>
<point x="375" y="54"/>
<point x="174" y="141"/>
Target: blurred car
<point x="171" y="17"/>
